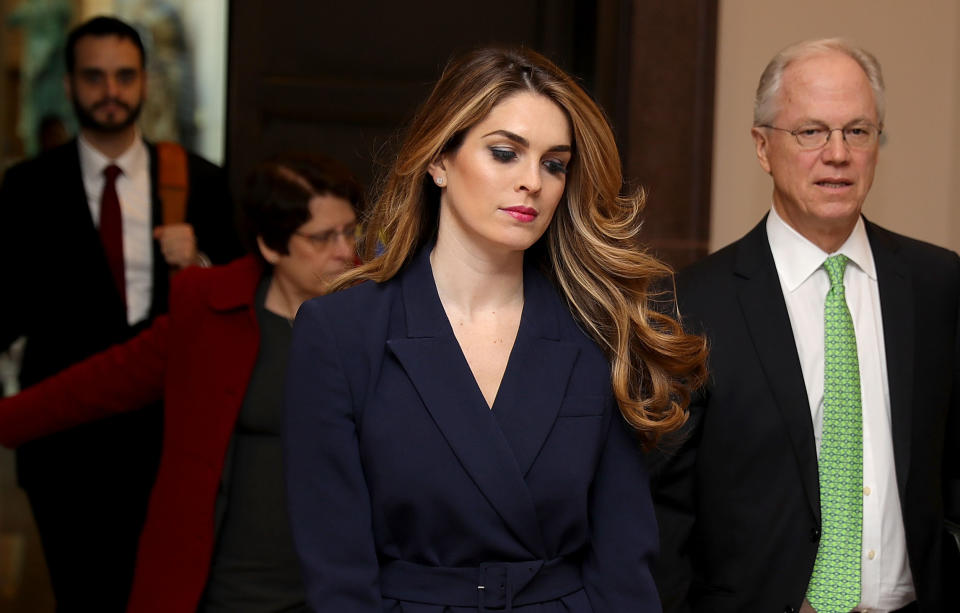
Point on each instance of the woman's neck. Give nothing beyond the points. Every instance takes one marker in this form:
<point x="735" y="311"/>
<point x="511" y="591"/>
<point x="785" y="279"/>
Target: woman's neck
<point x="282" y="298"/>
<point x="472" y="280"/>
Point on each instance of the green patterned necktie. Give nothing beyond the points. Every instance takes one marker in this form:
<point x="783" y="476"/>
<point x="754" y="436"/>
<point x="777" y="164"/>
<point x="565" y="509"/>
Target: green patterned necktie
<point x="835" y="583"/>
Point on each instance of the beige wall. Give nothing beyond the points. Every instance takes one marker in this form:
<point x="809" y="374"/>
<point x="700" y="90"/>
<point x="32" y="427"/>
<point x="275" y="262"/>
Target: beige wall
<point x="917" y="187"/>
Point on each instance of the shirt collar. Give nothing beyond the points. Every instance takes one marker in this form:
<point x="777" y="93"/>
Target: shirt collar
<point x="92" y="162"/>
<point x="797" y="258"/>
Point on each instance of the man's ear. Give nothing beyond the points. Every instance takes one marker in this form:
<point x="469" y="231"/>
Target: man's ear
<point x="761" y="142"/>
<point x="270" y="255"/>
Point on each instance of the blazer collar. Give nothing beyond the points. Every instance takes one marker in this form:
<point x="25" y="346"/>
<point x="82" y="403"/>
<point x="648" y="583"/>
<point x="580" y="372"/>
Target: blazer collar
<point x="895" y="285"/>
<point x="496" y="447"/>
<point x="766" y="317"/>
<point x="67" y="162"/>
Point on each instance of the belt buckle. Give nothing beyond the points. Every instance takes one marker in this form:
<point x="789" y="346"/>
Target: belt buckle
<point x="488" y="587"/>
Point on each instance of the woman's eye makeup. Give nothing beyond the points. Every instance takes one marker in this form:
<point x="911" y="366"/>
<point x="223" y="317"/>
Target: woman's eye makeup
<point x="503" y="155"/>
<point x="555" y="167"/>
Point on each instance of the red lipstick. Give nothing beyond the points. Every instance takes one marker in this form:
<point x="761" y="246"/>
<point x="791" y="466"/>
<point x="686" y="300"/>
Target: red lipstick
<point x="525" y="214"/>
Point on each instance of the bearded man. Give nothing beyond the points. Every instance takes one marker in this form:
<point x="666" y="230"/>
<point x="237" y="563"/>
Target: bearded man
<point x="85" y="261"/>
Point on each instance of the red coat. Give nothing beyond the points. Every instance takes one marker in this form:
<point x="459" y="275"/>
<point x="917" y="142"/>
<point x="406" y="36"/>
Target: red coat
<point x="199" y="359"/>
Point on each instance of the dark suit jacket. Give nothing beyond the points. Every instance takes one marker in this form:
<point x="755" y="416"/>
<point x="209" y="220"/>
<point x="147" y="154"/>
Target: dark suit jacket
<point x="199" y="359"/>
<point x="58" y="292"/>
<point x="393" y="455"/>
<point x="739" y="502"/>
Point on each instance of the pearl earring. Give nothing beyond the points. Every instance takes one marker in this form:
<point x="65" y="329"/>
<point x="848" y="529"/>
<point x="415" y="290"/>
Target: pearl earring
<point x="440" y="181"/>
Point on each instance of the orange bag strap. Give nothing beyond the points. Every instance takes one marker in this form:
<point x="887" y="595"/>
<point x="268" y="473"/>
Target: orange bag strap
<point x="173" y="181"/>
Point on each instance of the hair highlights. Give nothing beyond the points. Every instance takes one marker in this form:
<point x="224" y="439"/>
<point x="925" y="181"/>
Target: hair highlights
<point x="591" y="251"/>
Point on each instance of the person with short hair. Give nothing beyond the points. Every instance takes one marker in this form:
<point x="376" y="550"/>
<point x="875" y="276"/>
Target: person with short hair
<point x="86" y="259"/>
<point x="813" y="472"/>
<point x="216" y="536"/>
<point x="463" y="428"/>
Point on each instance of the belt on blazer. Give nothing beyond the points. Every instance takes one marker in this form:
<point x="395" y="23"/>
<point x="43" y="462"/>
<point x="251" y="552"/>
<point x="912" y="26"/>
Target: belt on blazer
<point x="493" y="586"/>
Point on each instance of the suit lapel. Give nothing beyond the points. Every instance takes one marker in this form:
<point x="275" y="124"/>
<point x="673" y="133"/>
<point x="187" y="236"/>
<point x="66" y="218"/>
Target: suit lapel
<point x="75" y="198"/>
<point x="534" y="384"/>
<point x="896" y="306"/>
<point x="765" y="315"/>
<point x="432" y="359"/>
<point x="74" y="188"/>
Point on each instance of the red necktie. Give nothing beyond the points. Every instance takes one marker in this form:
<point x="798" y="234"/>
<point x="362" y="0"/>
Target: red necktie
<point x="111" y="229"/>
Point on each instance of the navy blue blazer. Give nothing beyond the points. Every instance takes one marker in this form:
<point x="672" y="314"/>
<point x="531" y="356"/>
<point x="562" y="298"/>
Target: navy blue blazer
<point x="407" y="493"/>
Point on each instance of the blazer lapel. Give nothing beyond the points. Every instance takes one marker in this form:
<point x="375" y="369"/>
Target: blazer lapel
<point x="896" y="306"/>
<point x="534" y="384"/>
<point x="74" y="198"/>
<point x="432" y="359"/>
<point x="766" y="317"/>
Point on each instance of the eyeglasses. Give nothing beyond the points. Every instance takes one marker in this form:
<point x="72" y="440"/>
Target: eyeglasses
<point x="858" y="136"/>
<point x="323" y="239"/>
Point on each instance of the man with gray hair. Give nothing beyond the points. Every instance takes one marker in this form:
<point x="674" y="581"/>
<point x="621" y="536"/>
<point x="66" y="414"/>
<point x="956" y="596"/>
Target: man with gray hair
<point x="820" y="460"/>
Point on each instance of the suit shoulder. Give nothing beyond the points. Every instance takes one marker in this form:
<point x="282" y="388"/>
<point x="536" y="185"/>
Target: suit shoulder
<point x="201" y="165"/>
<point x="709" y="288"/>
<point x="709" y="274"/>
<point x="366" y="294"/>
<point x="353" y="307"/>
<point x="356" y="322"/>
<point x="19" y="170"/>
<point x="198" y="167"/>
<point x="43" y="164"/>
<point x="918" y="254"/>
<point x="709" y="266"/>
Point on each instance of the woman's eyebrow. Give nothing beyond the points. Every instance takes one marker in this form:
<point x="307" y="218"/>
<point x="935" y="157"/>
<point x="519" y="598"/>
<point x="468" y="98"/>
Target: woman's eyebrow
<point x="522" y="141"/>
<point x="510" y="135"/>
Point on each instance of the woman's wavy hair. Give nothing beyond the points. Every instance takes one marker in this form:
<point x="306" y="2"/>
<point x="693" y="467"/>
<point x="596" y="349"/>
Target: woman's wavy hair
<point x="591" y="250"/>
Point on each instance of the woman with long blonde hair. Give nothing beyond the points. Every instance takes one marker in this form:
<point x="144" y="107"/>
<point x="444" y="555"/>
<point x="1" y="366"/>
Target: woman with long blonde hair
<point x="464" y="419"/>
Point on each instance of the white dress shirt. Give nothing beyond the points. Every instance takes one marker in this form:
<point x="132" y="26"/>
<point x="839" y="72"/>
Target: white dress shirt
<point x="133" y="190"/>
<point x="886" y="583"/>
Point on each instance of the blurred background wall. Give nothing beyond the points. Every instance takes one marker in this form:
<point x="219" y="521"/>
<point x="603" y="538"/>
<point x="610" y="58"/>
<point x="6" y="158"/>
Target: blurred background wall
<point x="186" y="52"/>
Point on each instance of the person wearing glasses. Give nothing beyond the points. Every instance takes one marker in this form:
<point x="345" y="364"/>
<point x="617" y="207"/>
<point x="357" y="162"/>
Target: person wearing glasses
<point x="814" y="469"/>
<point x="216" y="537"/>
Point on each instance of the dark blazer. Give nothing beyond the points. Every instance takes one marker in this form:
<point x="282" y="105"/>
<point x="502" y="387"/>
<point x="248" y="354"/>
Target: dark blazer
<point x="58" y="293"/>
<point x="738" y="503"/>
<point x="198" y="359"/>
<point x="407" y="492"/>
<point x="50" y="250"/>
